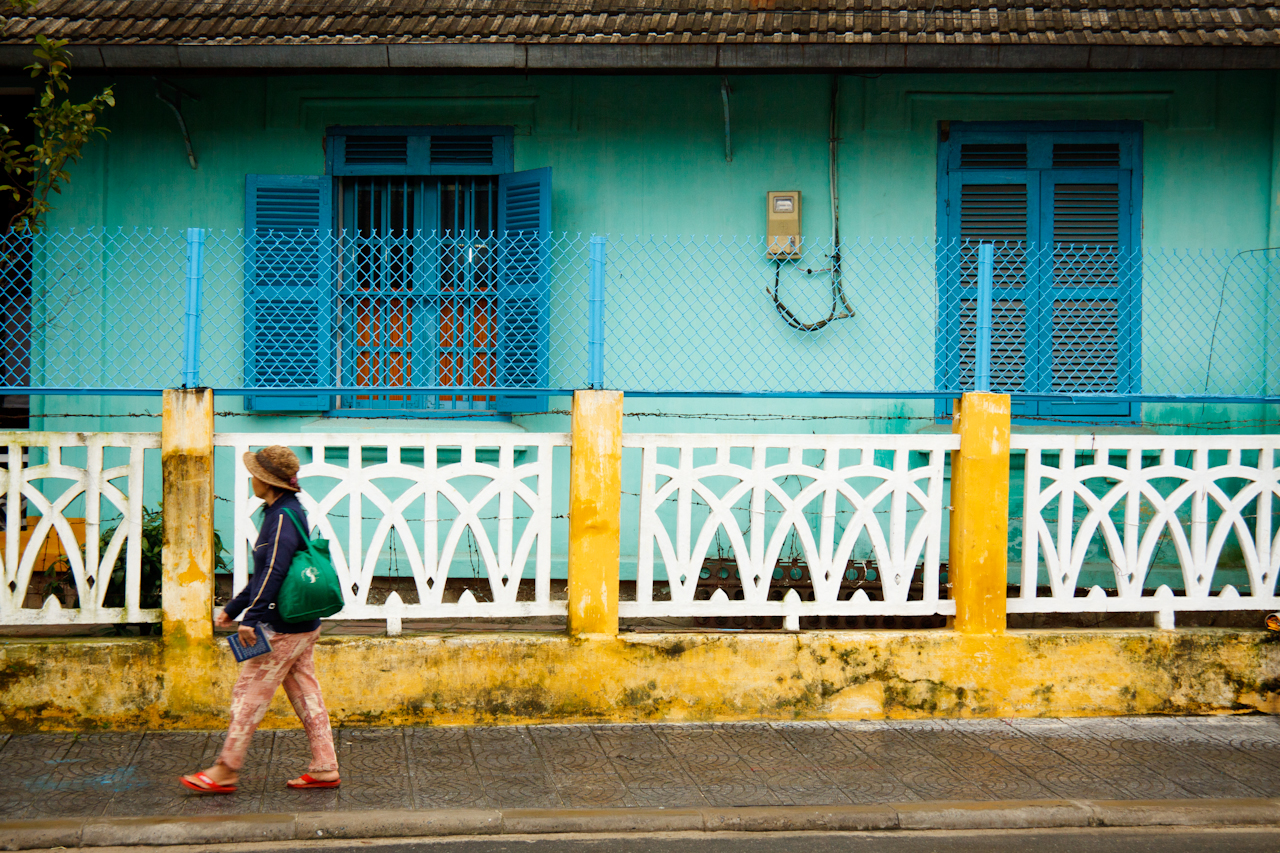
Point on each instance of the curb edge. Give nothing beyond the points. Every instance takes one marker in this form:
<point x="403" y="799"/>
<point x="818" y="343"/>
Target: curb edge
<point x="931" y="815"/>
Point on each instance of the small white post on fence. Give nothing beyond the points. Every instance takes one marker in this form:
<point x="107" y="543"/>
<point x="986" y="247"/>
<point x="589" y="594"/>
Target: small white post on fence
<point x="986" y="272"/>
<point x="395" y="614"/>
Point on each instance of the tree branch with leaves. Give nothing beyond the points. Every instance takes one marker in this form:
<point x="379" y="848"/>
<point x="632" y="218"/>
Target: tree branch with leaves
<point x="35" y="172"/>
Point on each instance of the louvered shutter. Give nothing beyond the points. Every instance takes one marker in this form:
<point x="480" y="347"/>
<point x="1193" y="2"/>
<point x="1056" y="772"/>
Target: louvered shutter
<point x="524" y="305"/>
<point x="1090" y="302"/>
<point x="995" y="203"/>
<point x="419" y="151"/>
<point x="288" y="301"/>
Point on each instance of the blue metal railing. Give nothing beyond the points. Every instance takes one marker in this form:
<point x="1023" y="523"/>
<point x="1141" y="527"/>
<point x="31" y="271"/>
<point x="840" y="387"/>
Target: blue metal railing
<point x="449" y="317"/>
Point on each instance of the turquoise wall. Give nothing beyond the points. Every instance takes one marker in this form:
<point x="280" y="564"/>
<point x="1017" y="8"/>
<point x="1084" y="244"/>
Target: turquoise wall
<point x="645" y="155"/>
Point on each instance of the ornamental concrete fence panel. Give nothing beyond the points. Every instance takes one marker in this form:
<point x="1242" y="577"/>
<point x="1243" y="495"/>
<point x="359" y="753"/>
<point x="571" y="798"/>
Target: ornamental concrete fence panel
<point x="73" y="518"/>
<point x="434" y="496"/>
<point x="742" y="504"/>
<point x="1143" y="500"/>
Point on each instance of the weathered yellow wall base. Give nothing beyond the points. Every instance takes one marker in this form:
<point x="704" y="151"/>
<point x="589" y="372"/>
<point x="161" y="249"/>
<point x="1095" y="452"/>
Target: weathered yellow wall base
<point x="510" y="678"/>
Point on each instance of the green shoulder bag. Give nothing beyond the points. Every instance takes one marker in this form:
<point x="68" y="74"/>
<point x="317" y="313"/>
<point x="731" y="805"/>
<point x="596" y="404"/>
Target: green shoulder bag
<point x="311" y="589"/>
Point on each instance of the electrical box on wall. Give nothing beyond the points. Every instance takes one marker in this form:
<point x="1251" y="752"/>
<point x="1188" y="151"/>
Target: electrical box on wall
<point x="783" y="228"/>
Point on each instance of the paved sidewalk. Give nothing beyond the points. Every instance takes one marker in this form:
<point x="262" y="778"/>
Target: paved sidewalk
<point x="651" y="766"/>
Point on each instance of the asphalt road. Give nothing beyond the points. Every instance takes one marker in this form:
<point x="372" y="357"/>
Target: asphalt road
<point x="1152" y="840"/>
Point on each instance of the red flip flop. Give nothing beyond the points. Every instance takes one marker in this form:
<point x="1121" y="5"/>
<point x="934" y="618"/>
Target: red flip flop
<point x="309" y="781"/>
<point x="207" y="785"/>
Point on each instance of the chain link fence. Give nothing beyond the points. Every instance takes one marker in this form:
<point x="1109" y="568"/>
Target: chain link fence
<point x="310" y="320"/>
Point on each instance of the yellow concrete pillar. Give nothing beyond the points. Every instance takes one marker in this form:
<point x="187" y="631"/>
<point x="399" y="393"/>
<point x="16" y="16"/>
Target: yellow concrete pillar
<point x="595" y="507"/>
<point x="186" y="447"/>
<point x="980" y="513"/>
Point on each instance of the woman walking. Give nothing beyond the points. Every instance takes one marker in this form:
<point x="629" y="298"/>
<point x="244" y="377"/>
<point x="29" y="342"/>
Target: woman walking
<point x="275" y="480"/>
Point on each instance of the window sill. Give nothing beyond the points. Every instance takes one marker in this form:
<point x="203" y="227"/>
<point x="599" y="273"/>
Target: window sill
<point x="1054" y="429"/>
<point x="355" y="423"/>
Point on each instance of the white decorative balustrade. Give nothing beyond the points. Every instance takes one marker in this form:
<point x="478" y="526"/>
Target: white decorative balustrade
<point x="429" y="492"/>
<point x="109" y="497"/>
<point x="1189" y="496"/>
<point x="752" y="494"/>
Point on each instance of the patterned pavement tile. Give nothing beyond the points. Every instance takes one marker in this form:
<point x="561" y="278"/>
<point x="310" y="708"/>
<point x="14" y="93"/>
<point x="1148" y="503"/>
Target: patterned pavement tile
<point x="1215" y="786"/>
<point x="1016" y="787"/>
<point x="699" y="744"/>
<point x="740" y="794"/>
<point x="439" y="738"/>
<point x="377" y="752"/>
<point x="310" y="800"/>
<point x="449" y="793"/>
<point x="870" y="788"/>
<point x="717" y="778"/>
<point x="894" y="746"/>
<point x="1018" y="749"/>
<point x="439" y="763"/>
<point x="701" y="765"/>
<point x="521" y="792"/>
<point x="42" y="745"/>
<point x="810" y="795"/>
<point x="165" y="798"/>
<point x="567" y="753"/>
<point x="15" y="807"/>
<point x="594" y="791"/>
<point x="656" y="779"/>
<point x="1073" y="783"/>
<point x="1268" y="727"/>
<point x="955" y="749"/>
<point x="668" y="798"/>
<point x="68" y="804"/>
<point x="953" y="788"/>
<point x="1139" y="783"/>
<point x="291" y="756"/>
<point x="370" y="796"/>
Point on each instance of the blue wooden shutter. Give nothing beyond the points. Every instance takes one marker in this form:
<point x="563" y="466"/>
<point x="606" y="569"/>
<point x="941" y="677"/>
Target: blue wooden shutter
<point x="524" y="302"/>
<point x="993" y="200"/>
<point x="417" y="151"/>
<point x="1091" y="296"/>
<point x="288" y="301"/>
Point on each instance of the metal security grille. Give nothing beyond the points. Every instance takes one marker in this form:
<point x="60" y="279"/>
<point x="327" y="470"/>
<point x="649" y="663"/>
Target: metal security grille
<point x="416" y="290"/>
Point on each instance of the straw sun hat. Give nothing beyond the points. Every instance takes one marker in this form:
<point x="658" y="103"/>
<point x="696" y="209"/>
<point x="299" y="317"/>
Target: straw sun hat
<point x="275" y="465"/>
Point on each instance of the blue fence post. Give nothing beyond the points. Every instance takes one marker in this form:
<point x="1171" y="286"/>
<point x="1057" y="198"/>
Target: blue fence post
<point x="195" y="281"/>
<point x="986" y="272"/>
<point x="595" y="301"/>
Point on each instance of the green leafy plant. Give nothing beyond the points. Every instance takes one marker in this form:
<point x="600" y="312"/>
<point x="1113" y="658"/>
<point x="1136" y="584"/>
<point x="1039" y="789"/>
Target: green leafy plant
<point x="62" y="129"/>
<point x="151" y="543"/>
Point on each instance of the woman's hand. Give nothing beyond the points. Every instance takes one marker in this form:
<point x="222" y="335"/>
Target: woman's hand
<point x="248" y="636"/>
<point x="222" y="620"/>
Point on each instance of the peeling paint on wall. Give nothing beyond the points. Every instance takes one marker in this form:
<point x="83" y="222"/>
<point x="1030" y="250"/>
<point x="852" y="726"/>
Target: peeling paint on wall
<point x="524" y="678"/>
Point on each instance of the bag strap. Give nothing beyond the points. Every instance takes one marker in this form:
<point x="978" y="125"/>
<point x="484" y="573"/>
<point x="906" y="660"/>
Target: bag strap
<point x="306" y="537"/>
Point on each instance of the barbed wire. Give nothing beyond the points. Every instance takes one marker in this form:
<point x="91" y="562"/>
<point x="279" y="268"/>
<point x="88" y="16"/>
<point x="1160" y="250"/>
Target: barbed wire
<point x="765" y="417"/>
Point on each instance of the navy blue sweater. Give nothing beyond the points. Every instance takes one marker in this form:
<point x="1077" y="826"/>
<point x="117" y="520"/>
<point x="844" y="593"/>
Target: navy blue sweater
<point x="277" y="542"/>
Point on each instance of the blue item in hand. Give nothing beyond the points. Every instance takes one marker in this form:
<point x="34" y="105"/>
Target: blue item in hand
<point x="243" y="652"/>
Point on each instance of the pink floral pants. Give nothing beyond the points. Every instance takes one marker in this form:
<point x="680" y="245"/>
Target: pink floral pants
<point x="290" y="663"/>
